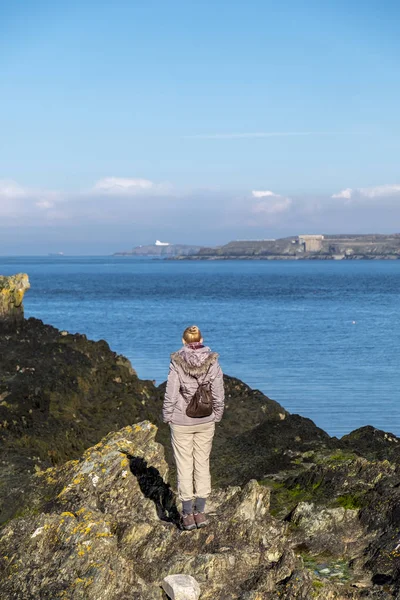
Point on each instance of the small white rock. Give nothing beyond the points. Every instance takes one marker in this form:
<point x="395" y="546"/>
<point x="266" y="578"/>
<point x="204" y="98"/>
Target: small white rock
<point x="95" y="479"/>
<point x="38" y="531"/>
<point x="181" y="587"/>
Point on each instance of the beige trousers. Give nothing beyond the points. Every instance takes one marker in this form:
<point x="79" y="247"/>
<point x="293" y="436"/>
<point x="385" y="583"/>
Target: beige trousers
<point x="192" y="446"/>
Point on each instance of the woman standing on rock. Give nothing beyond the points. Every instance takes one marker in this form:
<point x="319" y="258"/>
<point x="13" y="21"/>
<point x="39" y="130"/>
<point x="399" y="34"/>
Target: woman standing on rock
<point x="194" y="376"/>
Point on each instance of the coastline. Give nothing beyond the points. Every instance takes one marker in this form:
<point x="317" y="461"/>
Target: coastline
<point x="285" y="257"/>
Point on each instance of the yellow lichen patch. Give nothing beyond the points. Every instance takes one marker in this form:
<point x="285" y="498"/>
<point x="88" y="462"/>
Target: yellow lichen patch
<point x="64" y="491"/>
<point x="49" y="474"/>
<point x="67" y="514"/>
<point x="89" y="516"/>
<point x="124" y="462"/>
<point x="138" y="533"/>
<point x="84" y="548"/>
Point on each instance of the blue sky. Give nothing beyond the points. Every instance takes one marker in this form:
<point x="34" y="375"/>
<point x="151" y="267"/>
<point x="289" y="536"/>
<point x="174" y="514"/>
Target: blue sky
<point x="126" y="121"/>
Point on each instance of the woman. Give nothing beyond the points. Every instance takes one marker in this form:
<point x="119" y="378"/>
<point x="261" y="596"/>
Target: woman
<point x="192" y="436"/>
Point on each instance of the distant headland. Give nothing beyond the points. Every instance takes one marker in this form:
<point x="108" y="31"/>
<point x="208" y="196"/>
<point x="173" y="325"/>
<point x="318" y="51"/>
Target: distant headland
<point x="298" y="247"/>
<point x="163" y="249"/>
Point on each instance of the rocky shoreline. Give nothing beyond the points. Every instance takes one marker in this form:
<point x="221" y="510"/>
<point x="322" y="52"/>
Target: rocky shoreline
<point x="87" y="489"/>
<point x="298" y="247"/>
<point x="307" y="247"/>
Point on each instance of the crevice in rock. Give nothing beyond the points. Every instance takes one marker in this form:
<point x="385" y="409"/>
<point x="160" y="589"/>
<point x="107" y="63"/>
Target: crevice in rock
<point x="154" y="487"/>
<point x="382" y="579"/>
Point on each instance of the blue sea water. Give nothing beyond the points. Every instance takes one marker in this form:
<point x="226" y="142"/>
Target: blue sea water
<point x="320" y="337"/>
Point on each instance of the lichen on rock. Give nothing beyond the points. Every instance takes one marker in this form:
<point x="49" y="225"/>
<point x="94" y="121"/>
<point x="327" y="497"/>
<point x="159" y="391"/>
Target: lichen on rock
<point x="294" y="514"/>
<point x="12" y="290"/>
<point x="106" y="527"/>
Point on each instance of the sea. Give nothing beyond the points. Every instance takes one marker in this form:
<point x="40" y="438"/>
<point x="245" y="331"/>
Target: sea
<point x="320" y="337"/>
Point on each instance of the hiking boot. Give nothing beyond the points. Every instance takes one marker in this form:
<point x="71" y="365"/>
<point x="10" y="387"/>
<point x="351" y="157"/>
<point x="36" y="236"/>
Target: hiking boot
<point x="188" y="522"/>
<point x="200" y="519"/>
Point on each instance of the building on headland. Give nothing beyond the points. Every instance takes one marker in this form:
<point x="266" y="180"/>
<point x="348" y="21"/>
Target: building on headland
<point x="158" y="243"/>
<point x="311" y="243"/>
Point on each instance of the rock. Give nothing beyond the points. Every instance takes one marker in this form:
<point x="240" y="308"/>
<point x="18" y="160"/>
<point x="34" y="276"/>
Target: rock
<point x="373" y="443"/>
<point x="89" y="532"/>
<point x="60" y="395"/>
<point x="335" y="529"/>
<point x="12" y="290"/>
<point x="106" y="526"/>
<point x="287" y="501"/>
<point x="181" y="587"/>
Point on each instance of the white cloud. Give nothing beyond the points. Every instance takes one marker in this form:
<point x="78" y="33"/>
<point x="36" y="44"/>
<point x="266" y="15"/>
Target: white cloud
<point x="262" y="194"/>
<point x="44" y="204"/>
<point x="270" y="203"/>
<point x="379" y="191"/>
<point x="129" y="186"/>
<point x="17" y="201"/>
<point x="121" y="185"/>
<point x="346" y="194"/>
<point x="11" y="189"/>
<point x="157" y="207"/>
<point x="273" y="208"/>
<point x="262" y="134"/>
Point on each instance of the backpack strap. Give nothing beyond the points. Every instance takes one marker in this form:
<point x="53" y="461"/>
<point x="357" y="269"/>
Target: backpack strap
<point x="205" y="376"/>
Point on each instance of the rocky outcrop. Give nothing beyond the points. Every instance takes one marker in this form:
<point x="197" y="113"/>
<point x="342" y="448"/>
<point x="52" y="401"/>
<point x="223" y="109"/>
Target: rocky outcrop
<point x="295" y="514"/>
<point x="105" y="527"/>
<point x="12" y="290"/>
<point x="60" y="393"/>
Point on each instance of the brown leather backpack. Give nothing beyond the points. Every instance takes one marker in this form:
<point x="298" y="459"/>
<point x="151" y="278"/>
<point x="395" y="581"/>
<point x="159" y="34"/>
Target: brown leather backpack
<point x="201" y="404"/>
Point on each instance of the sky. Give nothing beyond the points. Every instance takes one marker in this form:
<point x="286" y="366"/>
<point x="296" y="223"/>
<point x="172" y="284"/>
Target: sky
<point x="196" y="122"/>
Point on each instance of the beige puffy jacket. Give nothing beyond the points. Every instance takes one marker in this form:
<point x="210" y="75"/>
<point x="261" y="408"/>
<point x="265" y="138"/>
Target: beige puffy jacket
<point x="192" y="364"/>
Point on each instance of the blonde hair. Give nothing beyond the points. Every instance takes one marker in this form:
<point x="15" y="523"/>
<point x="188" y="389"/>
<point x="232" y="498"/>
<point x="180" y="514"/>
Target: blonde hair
<point x="192" y="334"/>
